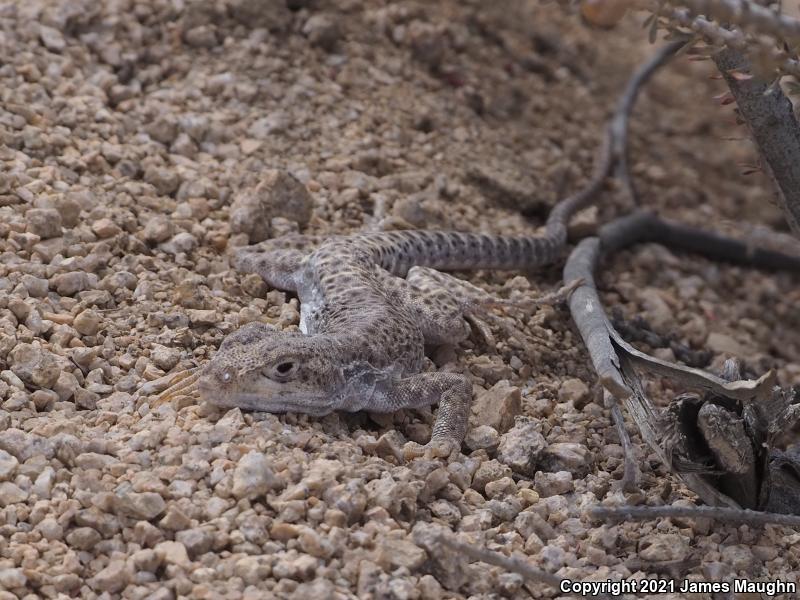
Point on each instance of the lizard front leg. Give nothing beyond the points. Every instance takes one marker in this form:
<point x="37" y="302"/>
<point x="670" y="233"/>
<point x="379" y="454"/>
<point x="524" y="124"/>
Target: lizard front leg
<point x="452" y="392"/>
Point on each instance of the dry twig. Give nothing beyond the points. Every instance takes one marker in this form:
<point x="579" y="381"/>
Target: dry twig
<point x="737" y="516"/>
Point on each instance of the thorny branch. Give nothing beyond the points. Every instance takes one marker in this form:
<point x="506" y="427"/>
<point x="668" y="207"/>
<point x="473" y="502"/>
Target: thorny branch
<point x="770" y="117"/>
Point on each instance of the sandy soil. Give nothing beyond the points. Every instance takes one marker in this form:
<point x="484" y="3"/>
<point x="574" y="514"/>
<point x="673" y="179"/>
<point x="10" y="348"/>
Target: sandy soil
<point x="131" y="132"/>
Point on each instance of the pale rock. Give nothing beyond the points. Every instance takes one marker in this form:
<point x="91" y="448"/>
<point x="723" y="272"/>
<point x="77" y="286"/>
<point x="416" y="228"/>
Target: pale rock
<point x="87" y="322"/>
<point x="173" y="553"/>
<point x="522" y="447"/>
<point x="253" y="476"/>
<point x="113" y="578"/>
<point x="497" y="407"/>
<point x="8" y="465"/>
<point x="34" y="365"/>
<point x="144" y="505"/>
<point x="11" y="493"/>
<point x="574" y="391"/>
<point x="663" y="547"/>
<point x="552" y="484"/>
<point x="482" y="437"/>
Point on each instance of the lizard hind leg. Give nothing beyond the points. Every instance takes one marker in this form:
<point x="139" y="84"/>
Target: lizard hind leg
<point x="475" y="304"/>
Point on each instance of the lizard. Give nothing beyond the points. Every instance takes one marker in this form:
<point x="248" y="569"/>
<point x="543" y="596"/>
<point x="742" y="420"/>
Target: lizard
<point x="369" y="305"/>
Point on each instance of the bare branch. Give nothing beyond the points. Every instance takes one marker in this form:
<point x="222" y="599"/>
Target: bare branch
<point x="736" y="516"/>
<point x="510" y="563"/>
<point x="631" y="474"/>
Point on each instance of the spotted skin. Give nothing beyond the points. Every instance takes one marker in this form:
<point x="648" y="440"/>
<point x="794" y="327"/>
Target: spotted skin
<point x="369" y="304"/>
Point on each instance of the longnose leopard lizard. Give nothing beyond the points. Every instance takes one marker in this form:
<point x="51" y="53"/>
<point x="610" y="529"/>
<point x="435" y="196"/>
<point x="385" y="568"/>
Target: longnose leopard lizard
<point x="370" y="303"/>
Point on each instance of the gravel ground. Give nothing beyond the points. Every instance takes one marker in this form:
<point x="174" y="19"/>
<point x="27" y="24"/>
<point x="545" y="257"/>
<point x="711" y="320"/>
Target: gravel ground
<point x="141" y="140"/>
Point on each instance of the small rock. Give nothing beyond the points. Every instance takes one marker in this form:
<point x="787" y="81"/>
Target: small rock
<point x="83" y="538"/>
<point x="164" y="358"/>
<point x="721" y="343"/>
<point x="166" y="181"/>
<point x="574" y="391"/>
<point x="300" y="568"/>
<point x="44" y="400"/>
<point x="36" y="287"/>
<point x="656" y="310"/>
<point x="11" y="493"/>
<point x="663" y="547"/>
<point x="11" y="579"/>
<point x="87" y="322"/>
<point x="34" y="365"/>
<point x="144" y="505"/>
<point x="584" y="223"/>
<point x="253" y="476"/>
<point x="278" y="194"/>
<point x="271" y="14"/>
<point x="105" y="228"/>
<point x="521" y="447"/>
<point x="50" y="529"/>
<point x="114" y="578"/>
<point x="553" y="484"/>
<point x="322" y="30"/>
<point x="497" y="407"/>
<point x="202" y="36"/>
<point x="489" y="470"/>
<point x="482" y="437"/>
<point x="85" y="399"/>
<point x="252" y="569"/>
<point x="52" y="38"/>
<point x="158" y="229"/>
<point x="202" y="317"/>
<point x="8" y="465"/>
<point x="392" y="554"/>
<point x="173" y="553"/>
<point x="197" y="540"/>
<point x="181" y="242"/>
<point x="68" y="284"/>
<point x="44" y="222"/>
<point x="566" y="456"/>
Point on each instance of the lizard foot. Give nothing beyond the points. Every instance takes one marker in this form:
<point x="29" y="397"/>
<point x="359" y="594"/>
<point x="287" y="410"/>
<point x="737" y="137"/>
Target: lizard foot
<point x="432" y="450"/>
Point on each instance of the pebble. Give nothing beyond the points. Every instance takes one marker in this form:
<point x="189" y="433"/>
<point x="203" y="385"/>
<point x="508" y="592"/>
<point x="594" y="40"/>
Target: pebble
<point x="164" y="358"/>
<point x="322" y="30"/>
<point x="68" y="284"/>
<point x="553" y="484"/>
<point x="567" y="456"/>
<point x="8" y="465"/>
<point x="574" y="391"/>
<point x="44" y="222"/>
<point x="253" y="476"/>
<point x="87" y="322"/>
<point x="663" y="547"/>
<point x="522" y="447"/>
<point x="144" y="505"/>
<point x="497" y="407"/>
<point x="393" y="554"/>
<point x="482" y="437"/>
<point x="52" y="38"/>
<point x="34" y="365"/>
<point x="278" y="194"/>
<point x="10" y="493"/>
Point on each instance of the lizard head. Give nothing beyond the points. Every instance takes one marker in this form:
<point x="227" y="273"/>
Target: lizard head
<point x="265" y="369"/>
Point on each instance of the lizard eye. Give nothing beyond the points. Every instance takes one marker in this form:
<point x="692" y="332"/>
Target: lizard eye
<point x="283" y="370"/>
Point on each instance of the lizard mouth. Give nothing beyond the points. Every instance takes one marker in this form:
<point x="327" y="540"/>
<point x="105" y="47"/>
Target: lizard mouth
<point x="263" y="401"/>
